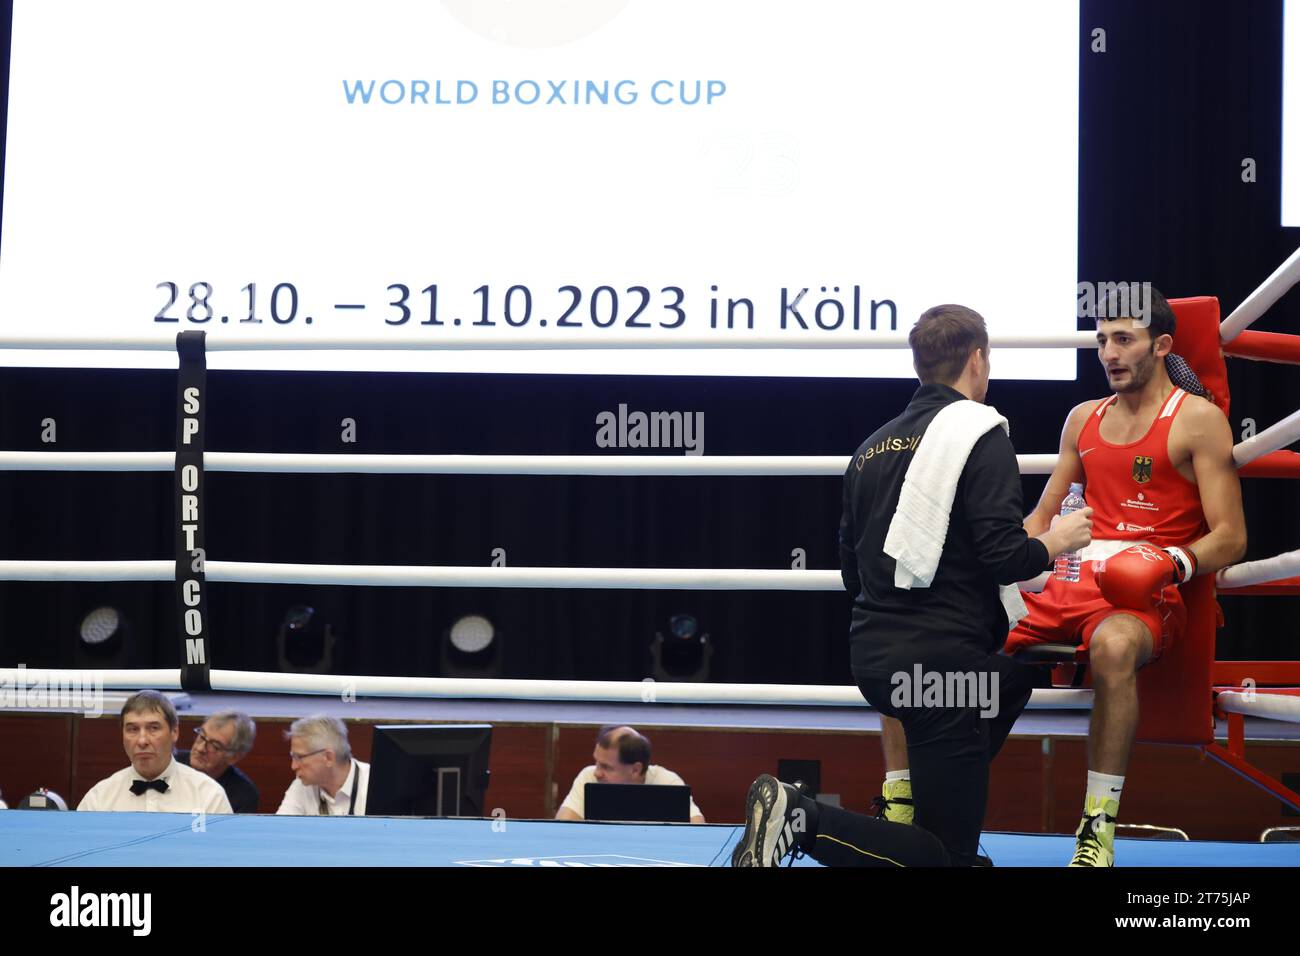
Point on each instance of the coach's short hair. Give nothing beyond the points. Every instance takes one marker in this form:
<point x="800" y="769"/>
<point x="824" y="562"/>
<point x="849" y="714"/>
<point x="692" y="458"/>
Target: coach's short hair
<point x="942" y="340"/>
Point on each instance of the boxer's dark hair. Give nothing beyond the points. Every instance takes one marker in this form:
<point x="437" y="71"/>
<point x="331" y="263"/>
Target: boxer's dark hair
<point x="1162" y="321"/>
<point x="942" y="340"/>
<point x="632" y="746"/>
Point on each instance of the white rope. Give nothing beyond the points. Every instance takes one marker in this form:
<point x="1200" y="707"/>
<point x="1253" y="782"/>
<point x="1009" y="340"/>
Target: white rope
<point x="445" y="576"/>
<point x="29" y="681"/>
<point x="1258" y="302"/>
<point x="1261" y="704"/>
<point x="720" y="465"/>
<point x="1271" y="439"/>
<point x="626" y="692"/>
<point x="525" y="343"/>
<point x="87" y="461"/>
<point x="405" y="576"/>
<point x="1277" y="568"/>
<point x="246" y="462"/>
<point x="87" y="571"/>
<point x="682" y="579"/>
<point x="499" y="689"/>
<point x="631" y="692"/>
<point x="754" y="466"/>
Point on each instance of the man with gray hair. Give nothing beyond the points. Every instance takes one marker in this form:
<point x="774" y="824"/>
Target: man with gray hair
<point x="223" y="740"/>
<point x="330" y="781"/>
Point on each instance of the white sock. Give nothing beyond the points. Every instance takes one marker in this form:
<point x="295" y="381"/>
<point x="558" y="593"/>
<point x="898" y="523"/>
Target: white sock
<point x="1105" y="786"/>
<point x="891" y="775"/>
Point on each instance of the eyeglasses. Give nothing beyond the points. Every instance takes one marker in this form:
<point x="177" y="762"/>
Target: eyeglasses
<point x="199" y="735"/>
<point x="299" y="758"/>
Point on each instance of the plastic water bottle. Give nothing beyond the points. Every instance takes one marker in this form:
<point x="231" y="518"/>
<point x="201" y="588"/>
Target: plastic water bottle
<point x="1067" y="564"/>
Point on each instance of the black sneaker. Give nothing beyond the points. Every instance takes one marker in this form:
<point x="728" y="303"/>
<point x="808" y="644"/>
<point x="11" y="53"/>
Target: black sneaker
<point x="768" y="835"/>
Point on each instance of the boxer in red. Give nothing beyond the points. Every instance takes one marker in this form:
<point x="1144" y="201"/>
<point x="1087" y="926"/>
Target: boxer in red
<point x="1156" y="462"/>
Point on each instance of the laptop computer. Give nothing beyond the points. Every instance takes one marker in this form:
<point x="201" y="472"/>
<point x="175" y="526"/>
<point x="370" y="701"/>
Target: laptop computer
<point x="638" y="803"/>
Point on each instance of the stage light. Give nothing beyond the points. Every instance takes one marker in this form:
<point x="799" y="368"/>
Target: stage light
<point x="305" y="642"/>
<point x="103" y="631"/>
<point x="471" y="647"/>
<point x="472" y="634"/>
<point x="105" y="638"/>
<point x="683" y="626"/>
<point x="684" y="655"/>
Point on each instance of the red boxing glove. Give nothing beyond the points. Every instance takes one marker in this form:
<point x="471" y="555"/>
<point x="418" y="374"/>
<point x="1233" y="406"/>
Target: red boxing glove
<point x="1135" y="577"/>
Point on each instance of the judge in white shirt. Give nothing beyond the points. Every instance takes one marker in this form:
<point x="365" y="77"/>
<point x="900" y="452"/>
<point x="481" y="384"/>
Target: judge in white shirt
<point x="622" y="755"/>
<point x="155" y="782"/>
<point x="331" y="782"/>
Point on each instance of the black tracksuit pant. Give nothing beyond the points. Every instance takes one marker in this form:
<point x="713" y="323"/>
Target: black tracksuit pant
<point x="949" y="749"/>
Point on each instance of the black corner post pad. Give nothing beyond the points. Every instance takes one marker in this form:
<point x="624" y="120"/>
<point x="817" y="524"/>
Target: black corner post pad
<point x="191" y="347"/>
<point x="191" y="555"/>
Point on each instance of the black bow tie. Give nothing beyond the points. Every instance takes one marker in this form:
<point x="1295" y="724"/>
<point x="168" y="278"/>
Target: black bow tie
<point x="140" y="786"/>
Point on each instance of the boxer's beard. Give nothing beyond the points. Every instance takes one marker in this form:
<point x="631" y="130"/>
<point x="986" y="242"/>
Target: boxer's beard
<point x="1139" y="374"/>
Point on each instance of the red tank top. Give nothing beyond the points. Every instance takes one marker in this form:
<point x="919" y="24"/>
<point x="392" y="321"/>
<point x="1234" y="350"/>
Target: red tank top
<point x="1135" y="492"/>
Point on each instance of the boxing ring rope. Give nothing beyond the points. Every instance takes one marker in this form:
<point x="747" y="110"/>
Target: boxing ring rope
<point x="1265" y="347"/>
<point x="479" y="688"/>
<point x="1265" y="571"/>
<point x="413" y="576"/>
<point x="1274" y="705"/>
<point x="1277" y="464"/>
<point x="1279" y="587"/>
<point x="1258" y="302"/>
<point x="125" y="678"/>
<point x="1260" y="463"/>
<point x="755" y="466"/>
<point x="1271" y="439"/>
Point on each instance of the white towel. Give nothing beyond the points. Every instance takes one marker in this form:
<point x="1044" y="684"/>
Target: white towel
<point x="920" y="525"/>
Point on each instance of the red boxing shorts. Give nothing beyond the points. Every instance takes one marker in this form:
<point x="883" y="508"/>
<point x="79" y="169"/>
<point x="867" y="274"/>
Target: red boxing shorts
<point x="1069" y="614"/>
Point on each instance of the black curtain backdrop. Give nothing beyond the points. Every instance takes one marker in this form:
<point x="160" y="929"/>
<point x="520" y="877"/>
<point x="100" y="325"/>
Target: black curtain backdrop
<point x="1183" y="94"/>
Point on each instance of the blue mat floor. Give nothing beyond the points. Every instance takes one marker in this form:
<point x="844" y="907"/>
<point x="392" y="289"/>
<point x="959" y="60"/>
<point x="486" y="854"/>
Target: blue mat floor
<point x="29" y="838"/>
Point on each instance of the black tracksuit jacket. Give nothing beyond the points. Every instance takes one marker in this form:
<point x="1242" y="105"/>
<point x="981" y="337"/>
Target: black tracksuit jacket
<point x="959" y="618"/>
